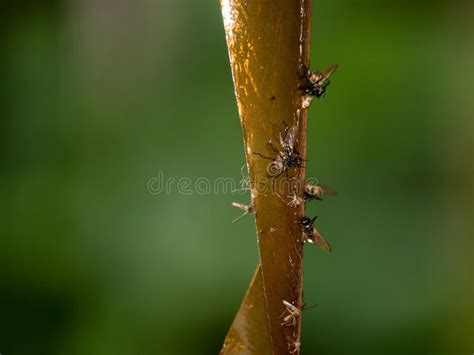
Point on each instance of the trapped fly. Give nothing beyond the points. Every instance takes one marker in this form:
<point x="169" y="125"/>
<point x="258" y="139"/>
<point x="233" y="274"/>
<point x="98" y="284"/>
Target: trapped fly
<point x="293" y="346"/>
<point x="286" y="155"/>
<point x="319" y="81"/>
<point x="317" y="191"/>
<point x="312" y="235"/>
<point x="290" y="314"/>
<point x="295" y="200"/>
<point x="246" y="208"/>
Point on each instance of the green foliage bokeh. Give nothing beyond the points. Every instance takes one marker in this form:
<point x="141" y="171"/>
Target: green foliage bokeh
<point x="98" y="98"/>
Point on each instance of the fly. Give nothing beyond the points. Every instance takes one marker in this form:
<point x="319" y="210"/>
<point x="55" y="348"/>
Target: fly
<point x="294" y="346"/>
<point x="317" y="191"/>
<point x="246" y="208"/>
<point x="295" y="200"/>
<point x="287" y="156"/>
<point x="290" y="314"/>
<point x="312" y="235"/>
<point x="317" y="83"/>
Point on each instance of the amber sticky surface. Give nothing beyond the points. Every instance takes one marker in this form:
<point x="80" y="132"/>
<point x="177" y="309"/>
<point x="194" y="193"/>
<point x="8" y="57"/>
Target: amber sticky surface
<point x="268" y="43"/>
<point x="249" y="332"/>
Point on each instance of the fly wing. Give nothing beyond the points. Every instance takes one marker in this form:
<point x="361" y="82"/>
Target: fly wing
<point x="324" y="76"/>
<point x="291" y="135"/>
<point x="277" y="133"/>
<point x="328" y="190"/>
<point x="320" y="241"/>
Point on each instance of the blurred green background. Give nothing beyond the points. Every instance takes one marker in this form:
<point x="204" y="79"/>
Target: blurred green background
<point x="97" y="97"/>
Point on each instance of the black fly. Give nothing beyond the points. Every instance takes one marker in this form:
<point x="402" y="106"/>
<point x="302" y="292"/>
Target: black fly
<point x="317" y="191"/>
<point x="312" y="235"/>
<point x="287" y="156"/>
<point x="318" y="81"/>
